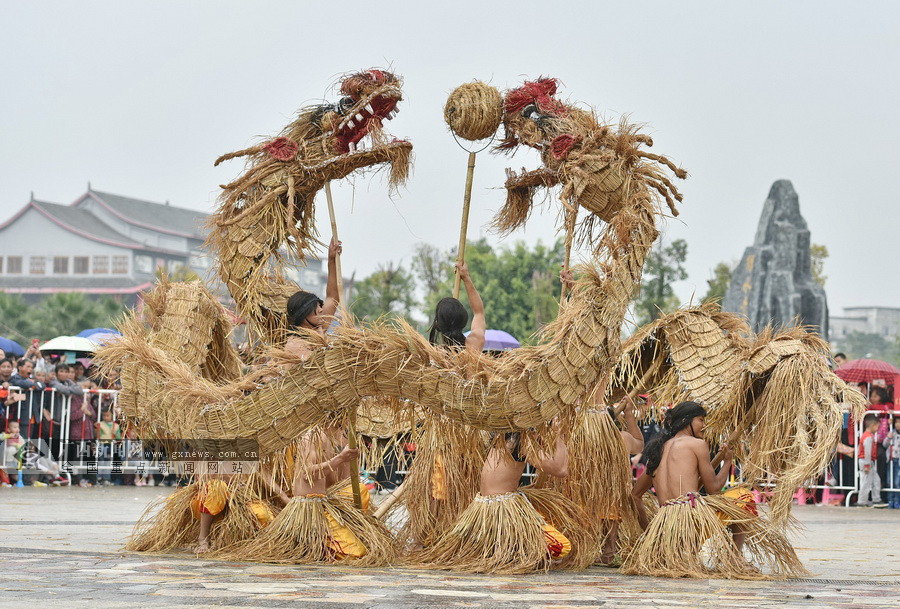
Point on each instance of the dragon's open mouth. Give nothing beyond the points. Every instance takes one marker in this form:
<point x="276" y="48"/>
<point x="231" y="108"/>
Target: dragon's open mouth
<point x="365" y="119"/>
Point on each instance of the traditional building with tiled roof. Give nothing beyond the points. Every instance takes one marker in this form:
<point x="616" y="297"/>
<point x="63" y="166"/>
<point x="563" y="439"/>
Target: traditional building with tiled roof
<point x="100" y="244"/>
<point x="109" y="244"/>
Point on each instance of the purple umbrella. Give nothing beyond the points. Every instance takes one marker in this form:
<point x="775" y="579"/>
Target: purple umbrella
<point x="11" y="347"/>
<point x="498" y="340"/>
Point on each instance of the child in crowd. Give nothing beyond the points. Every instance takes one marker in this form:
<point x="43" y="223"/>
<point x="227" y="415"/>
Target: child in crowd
<point x="12" y="443"/>
<point x="82" y="422"/>
<point x="48" y="468"/>
<point x="892" y="444"/>
<point x="869" y="482"/>
<point x="107" y="432"/>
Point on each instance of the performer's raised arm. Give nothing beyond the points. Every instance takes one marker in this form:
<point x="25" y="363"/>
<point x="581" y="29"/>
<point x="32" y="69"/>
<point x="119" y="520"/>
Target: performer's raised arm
<point x="332" y="294"/>
<point x="475" y="339"/>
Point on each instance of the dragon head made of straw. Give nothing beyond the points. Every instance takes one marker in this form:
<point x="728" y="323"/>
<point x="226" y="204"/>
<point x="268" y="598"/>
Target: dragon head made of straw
<point x="268" y="211"/>
<point x="600" y="168"/>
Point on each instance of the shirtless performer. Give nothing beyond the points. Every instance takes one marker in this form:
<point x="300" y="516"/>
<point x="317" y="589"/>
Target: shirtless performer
<point x="320" y="522"/>
<point x="696" y="535"/>
<point x="508" y="530"/>
<point x="443" y="476"/>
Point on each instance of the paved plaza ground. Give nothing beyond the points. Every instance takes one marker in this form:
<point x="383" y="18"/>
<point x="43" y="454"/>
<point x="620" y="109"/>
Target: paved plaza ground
<point x="60" y="548"/>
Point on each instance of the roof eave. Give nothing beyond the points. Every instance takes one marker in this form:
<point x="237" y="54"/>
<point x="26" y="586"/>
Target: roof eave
<point x="131" y="221"/>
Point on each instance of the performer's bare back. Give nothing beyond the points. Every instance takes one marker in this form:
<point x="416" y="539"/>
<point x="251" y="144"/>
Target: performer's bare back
<point x="500" y="474"/>
<point x="679" y="470"/>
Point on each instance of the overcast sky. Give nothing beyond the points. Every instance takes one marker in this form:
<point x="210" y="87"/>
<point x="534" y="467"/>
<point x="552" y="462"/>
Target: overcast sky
<point x="140" y="99"/>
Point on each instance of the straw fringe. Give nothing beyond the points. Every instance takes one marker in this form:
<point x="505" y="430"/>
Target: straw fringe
<point x="457" y="453"/>
<point x="300" y="534"/>
<point x="168" y="524"/>
<point x="502" y="534"/>
<point x="599" y="479"/>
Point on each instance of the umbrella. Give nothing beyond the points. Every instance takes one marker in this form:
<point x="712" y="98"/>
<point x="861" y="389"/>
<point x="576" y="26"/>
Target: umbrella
<point x="498" y="340"/>
<point x="101" y="338"/>
<point x="89" y="333"/>
<point x="69" y="343"/>
<point x="11" y="347"/>
<point x="867" y="370"/>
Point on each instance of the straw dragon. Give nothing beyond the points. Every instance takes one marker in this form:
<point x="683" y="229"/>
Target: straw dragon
<point x="270" y="206"/>
<point x="602" y="169"/>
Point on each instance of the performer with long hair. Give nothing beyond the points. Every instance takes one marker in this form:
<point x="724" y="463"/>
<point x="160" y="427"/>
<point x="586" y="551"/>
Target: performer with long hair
<point x="696" y="535"/>
<point x="443" y="476"/>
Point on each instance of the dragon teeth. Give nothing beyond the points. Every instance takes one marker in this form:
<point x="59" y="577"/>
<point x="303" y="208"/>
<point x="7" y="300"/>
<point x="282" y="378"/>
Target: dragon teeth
<point x="359" y="117"/>
<point x="350" y="123"/>
<point x="369" y="109"/>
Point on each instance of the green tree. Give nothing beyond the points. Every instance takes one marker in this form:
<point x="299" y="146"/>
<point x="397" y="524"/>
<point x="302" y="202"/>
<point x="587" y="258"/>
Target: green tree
<point x="817" y="255"/>
<point x="68" y="313"/>
<point x="664" y="266"/>
<point x="431" y="268"/>
<point x="866" y="344"/>
<point x="519" y="284"/>
<point x="389" y="290"/>
<point x="16" y="322"/>
<point x="718" y="285"/>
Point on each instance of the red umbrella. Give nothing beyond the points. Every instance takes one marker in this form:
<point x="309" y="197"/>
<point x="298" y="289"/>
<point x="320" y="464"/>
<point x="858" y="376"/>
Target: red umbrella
<point x="866" y="371"/>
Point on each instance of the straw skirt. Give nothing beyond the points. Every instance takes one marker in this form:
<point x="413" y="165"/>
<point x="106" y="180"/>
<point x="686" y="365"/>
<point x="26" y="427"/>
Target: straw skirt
<point x="689" y="537"/>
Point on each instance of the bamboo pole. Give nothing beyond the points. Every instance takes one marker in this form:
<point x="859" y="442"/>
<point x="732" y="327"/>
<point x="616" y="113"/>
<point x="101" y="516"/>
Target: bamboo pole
<point x="571" y="216"/>
<point x="390" y="501"/>
<point x="351" y="419"/>
<point x="464" y="228"/>
<point x="645" y="378"/>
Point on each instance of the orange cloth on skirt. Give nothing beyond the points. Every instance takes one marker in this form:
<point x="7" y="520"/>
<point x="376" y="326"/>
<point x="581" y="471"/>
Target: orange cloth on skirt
<point x="262" y="512"/>
<point x="742" y="496"/>
<point x="438" y="486"/>
<point x="342" y="541"/>
<point x="557" y="543"/>
<point x="211" y="499"/>
<point x="364" y="496"/>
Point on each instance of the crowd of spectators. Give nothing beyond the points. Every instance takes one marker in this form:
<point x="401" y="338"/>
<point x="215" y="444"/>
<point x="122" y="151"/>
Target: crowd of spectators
<point x="35" y="391"/>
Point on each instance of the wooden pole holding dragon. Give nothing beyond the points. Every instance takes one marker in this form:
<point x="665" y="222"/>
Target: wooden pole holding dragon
<point x="351" y="419"/>
<point x="571" y="217"/>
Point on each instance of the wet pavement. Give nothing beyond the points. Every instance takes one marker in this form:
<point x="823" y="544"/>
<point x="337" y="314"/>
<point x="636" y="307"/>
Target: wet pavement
<point x="63" y="545"/>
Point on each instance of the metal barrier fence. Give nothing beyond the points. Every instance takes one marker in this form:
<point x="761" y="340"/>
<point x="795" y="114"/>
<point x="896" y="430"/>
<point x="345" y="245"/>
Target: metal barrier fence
<point x="78" y="441"/>
<point x="62" y="435"/>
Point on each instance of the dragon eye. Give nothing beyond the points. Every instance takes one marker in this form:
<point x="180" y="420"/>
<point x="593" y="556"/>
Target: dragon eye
<point x="344" y="105"/>
<point x="531" y="111"/>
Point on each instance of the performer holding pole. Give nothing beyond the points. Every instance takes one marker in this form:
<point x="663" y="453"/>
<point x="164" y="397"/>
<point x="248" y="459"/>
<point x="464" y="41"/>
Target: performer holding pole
<point x="473" y="112"/>
<point x="351" y="421"/>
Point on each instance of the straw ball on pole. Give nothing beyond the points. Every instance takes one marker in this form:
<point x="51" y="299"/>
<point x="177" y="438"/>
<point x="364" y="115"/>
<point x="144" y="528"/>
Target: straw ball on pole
<point x="473" y="112"/>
